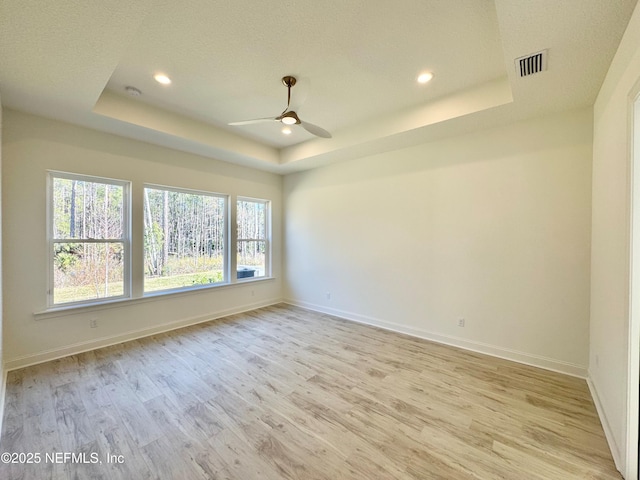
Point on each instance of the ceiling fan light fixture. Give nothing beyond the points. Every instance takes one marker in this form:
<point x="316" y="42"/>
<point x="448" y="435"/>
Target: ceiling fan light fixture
<point x="289" y="120"/>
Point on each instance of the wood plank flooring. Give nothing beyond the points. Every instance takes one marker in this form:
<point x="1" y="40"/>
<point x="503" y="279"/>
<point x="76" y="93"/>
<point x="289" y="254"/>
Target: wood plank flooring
<point x="284" y="393"/>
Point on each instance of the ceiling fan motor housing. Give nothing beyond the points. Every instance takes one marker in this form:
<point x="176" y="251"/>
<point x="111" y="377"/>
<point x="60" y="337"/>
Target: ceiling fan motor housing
<point x="290" y="118"/>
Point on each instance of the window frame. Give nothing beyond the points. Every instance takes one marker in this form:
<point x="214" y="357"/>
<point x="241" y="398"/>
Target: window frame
<point x="227" y="243"/>
<point x="125" y="240"/>
<point x="133" y="247"/>
<point x="267" y="239"/>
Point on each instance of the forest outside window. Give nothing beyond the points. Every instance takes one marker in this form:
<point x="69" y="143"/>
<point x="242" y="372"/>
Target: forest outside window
<point x="253" y="217"/>
<point x="88" y="238"/>
<point x="184" y="239"/>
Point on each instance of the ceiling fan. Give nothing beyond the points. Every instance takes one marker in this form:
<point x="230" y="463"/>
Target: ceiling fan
<point x="289" y="117"/>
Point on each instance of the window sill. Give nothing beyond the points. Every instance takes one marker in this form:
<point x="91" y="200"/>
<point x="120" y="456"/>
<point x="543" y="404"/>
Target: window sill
<point x="149" y="297"/>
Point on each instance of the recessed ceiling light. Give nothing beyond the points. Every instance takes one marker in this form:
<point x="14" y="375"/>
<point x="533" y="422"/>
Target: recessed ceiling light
<point x="425" y="77"/>
<point x="162" y="78"/>
<point x="286" y="131"/>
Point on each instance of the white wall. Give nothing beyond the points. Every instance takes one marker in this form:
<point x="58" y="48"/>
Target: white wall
<point x="610" y="241"/>
<point x="31" y="146"/>
<point x="492" y="227"/>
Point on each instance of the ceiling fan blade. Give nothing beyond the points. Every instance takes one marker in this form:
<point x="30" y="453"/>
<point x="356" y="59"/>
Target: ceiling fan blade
<point x="255" y="120"/>
<point x="314" y="129"/>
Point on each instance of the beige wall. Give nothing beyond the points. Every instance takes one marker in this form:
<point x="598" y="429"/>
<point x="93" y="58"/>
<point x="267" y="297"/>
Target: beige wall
<point x="610" y="251"/>
<point x="492" y="227"/>
<point x="31" y="146"/>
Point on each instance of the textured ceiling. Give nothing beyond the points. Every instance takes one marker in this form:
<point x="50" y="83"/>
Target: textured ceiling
<point x="356" y="61"/>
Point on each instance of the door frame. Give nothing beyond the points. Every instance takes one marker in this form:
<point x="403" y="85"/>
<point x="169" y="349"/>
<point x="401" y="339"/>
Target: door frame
<point x="633" y="369"/>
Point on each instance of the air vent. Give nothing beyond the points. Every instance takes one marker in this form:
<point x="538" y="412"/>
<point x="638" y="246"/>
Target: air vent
<point x="531" y="64"/>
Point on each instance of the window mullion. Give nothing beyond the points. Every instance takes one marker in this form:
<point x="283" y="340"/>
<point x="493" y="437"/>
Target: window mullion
<point x="88" y="240"/>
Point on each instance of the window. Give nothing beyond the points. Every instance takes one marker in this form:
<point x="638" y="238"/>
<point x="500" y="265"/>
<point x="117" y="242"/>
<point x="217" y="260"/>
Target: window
<point x="253" y="238"/>
<point x="88" y="239"/>
<point x="184" y="238"/>
<point x="186" y="241"/>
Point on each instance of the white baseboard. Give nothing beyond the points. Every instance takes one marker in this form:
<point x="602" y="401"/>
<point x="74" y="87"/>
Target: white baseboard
<point x="74" y="349"/>
<point x="495" y="351"/>
<point x="608" y="432"/>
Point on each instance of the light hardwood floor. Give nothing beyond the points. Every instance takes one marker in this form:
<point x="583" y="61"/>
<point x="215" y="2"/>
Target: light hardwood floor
<point x="284" y="393"/>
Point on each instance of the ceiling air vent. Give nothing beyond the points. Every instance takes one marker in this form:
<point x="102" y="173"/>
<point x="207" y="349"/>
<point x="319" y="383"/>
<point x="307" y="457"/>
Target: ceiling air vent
<point x="530" y="64"/>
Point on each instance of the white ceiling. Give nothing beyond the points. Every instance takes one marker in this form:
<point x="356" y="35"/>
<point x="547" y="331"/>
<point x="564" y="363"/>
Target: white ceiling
<point x="356" y="62"/>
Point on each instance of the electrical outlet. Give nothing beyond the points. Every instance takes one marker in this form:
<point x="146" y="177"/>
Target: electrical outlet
<point x="461" y="322"/>
<point x="93" y="322"/>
